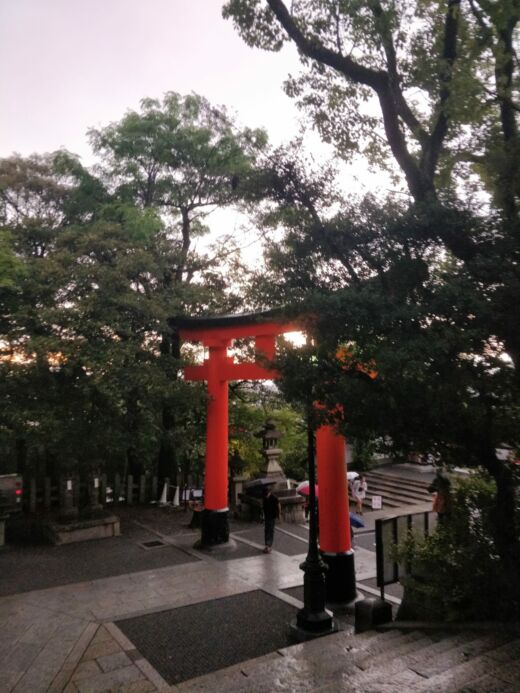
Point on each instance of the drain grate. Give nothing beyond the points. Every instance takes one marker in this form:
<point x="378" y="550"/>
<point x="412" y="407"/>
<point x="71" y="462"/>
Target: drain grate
<point x="152" y="544"/>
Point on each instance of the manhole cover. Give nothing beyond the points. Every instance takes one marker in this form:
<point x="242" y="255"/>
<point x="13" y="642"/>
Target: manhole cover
<point x="153" y="544"/>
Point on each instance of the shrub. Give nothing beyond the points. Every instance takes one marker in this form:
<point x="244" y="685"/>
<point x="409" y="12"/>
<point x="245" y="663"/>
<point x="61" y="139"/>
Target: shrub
<point x="455" y="574"/>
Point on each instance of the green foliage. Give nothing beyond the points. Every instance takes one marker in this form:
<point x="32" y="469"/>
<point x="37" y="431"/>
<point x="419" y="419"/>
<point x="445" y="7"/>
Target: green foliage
<point x="456" y="573"/>
<point x="425" y="289"/>
<point x="93" y="266"/>
<point x="250" y="408"/>
<point x="11" y="268"/>
<point x="160" y="156"/>
<point x="426" y="88"/>
<point x="363" y="454"/>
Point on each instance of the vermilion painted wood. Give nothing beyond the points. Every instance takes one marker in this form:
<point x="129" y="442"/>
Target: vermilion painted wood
<point x="332" y="480"/>
<point x="232" y="371"/>
<point x="216" y="462"/>
<point x="218" y="370"/>
<point x="209" y="334"/>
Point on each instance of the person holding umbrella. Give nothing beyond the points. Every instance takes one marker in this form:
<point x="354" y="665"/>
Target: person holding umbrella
<point x="271" y="508"/>
<point x="359" y="492"/>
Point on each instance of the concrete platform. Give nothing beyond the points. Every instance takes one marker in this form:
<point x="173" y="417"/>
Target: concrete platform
<point x="65" y="638"/>
<point x="82" y="530"/>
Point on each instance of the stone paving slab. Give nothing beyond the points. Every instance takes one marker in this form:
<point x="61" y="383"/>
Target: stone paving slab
<point x="240" y="550"/>
<point x="283" y="542"/>
<point x="46" y="633"/>
<point x="366" y="541"/>
<point x="89" y="560"/>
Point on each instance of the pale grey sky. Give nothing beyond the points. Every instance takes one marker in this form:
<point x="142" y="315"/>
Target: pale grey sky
<point x="67" y="65"/>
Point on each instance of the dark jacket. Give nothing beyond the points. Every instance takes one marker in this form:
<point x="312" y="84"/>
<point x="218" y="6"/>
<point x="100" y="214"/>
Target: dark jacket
<point x="271" y="507"/>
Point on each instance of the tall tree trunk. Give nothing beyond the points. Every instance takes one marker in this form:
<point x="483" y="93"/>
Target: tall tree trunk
<point x="134" y="465"/>
<point x="167" y="457"/>
<point x="505" y="528"/>
<point x="21" y="456"/>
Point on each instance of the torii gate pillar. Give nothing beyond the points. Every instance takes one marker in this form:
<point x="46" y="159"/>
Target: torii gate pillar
<point x="335" y="542"/>
<point x="215" y="528"/>
<point x="218" y="369"/>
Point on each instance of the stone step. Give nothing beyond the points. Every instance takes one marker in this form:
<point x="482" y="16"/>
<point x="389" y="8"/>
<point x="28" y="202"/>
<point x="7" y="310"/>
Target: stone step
<point x="403" y="664"/>
<point x="392" y="661"/>
<point x="395" y="478"/>
<point x="395" y="493"/>
<point x="504" y="679"/>
<point x="395" y="498"/>
<point x="390" y="501"/>
<point x="381" y="488"/>
<point x="397" y="649"/>
<point x="456" y="667"/>
<point x="369" y="641"/>
<point x="397" y="668"/>
<point x="398" y="487"/>
<point x="498" y="662"/>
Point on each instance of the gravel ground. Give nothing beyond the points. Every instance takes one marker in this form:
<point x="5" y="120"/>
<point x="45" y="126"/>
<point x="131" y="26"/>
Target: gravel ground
<point x="31" y="567"/>
<point x="201" y="638"/>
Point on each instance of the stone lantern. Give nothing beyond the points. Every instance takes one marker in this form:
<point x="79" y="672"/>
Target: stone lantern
<point x="271" y="452"/>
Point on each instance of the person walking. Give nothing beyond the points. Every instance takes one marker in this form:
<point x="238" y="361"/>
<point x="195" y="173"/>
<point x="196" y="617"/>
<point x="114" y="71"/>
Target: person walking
<point x="359" y="492"/>
<point x="271" y="508"/>
<point x="441" y="489"/>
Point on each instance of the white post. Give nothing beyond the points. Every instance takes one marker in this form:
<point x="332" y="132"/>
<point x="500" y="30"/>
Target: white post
<point x="164" y="496"/>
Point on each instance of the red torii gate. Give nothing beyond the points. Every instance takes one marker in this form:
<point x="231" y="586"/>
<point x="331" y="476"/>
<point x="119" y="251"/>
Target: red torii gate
<point x="217" y="334"/>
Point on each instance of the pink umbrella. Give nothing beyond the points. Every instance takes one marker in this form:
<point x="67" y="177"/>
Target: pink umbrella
<point x="304" y="489"/>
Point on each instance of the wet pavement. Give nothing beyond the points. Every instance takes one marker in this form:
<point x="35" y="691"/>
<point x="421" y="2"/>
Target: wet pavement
<point x="59" y="632"/>
<point x="105" y="615"/>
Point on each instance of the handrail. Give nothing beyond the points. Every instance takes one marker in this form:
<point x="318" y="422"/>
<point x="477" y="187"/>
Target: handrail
<point x="390" y="530"/>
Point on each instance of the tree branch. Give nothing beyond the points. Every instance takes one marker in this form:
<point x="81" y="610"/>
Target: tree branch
<point x="449" y="54"/>
<point x="420" y="187"/>
<point x="403" y="109"/>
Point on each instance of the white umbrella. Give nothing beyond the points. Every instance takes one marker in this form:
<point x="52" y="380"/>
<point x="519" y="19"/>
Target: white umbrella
<point x="352" y="475"/>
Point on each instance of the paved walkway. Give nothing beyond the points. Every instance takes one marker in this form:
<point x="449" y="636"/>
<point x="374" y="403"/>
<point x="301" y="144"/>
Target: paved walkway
<point x="64" y="638"/>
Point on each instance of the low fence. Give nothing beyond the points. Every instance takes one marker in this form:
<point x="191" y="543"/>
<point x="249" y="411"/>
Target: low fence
<point x="44" y="495"/>
<point x="392" y="530"/>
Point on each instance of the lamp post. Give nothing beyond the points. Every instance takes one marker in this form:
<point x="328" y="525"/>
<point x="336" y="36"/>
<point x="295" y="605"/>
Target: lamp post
<point x="313" y="620"/>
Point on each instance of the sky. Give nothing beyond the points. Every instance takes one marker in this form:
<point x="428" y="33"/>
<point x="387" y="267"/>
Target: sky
<point x="68" y="65"/>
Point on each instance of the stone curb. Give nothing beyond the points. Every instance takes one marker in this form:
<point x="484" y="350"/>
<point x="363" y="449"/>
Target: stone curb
<point x="62" y="678"/>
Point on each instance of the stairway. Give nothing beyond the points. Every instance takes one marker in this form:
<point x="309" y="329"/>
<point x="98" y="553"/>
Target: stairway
<point x="393" y="661"/>
<point x="396" y="491"/>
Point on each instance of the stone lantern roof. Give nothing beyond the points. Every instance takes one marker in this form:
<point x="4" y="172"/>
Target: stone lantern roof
<point x="269" y="435"/>
<point x="271" y="452"/>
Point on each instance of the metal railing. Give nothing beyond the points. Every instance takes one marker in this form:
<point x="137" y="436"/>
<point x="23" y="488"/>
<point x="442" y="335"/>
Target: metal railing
<point x="392" y="530"/>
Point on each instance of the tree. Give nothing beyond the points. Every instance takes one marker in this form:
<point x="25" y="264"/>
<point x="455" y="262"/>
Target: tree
<point x="183" y="158"/>
<point x="96" y="263"/>
<point x="442" y="73"/>
<point x="251" y="406"/>
<point x="425" y="288"/>
<point x="446" y="83"/>
<point x="77" y="331"/>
